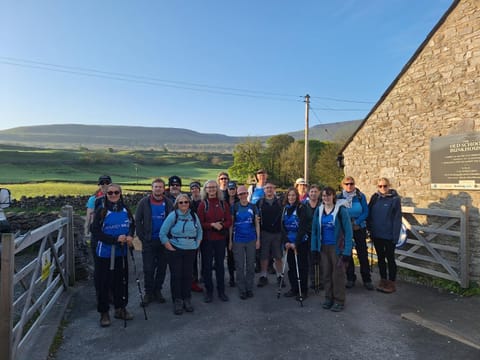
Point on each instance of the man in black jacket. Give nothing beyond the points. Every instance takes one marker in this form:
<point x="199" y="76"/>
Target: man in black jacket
<point x="152" y="210"/>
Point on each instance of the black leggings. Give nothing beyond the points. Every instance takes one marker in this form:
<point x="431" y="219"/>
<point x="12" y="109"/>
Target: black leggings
<point x="386" y="250"/>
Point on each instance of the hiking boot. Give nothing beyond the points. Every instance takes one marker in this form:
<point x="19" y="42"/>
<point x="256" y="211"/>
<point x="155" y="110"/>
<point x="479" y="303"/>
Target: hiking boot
<point x="208" y="297"/>
<point x="290" y="293"/>
<point x="178" y="307"/>
<point x="327" y="304"/>
<point x="262" y="281"/>
<point x="350" y="284"/>
<point x="243" y="295"/>
<point x="159" y="296"/>
<point x="337" y="307"/>
<point x="122" y="313"/>
<point x="389" y="287"/>
<point x="279" y="280"/>
<point x="187" y="305"/>
<point x="196" y="287"/>
<point x="368" y="285"/>
<point x="147" y="299"/>
<point x="105" y="319"/>
<point x="381" y="285"/>
<point x="222" y="296"/>
<point x="249" y="293"/>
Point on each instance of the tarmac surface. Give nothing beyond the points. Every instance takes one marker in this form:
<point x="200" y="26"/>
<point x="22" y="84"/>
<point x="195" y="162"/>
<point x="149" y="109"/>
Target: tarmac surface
<point x="416" y="322"/>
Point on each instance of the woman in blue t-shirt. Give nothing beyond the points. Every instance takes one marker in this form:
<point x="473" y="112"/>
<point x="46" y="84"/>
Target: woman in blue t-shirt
<point x="244" y="241"/>
<point x="332" y="241"/>
<point x="113" y="226"/>
<point x="295" y="240"/>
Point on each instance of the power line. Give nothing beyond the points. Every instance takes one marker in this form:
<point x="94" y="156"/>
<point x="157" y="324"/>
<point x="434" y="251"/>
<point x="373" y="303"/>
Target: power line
<point x="152" y="81"/>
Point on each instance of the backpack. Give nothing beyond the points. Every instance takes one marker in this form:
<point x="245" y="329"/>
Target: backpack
<point x="237" y="205"/>
<point x="222" y="204"/>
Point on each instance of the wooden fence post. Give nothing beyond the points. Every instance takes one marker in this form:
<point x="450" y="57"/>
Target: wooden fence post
<point x="464" y="249"/>
<point x="6" y="296"/>
<point x="67" y="211"/>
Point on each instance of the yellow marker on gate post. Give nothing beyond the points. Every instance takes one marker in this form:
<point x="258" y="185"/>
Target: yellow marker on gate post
<point x="46" y="262"/>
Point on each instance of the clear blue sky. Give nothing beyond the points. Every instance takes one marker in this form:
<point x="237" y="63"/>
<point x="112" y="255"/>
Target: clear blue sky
<point x="230" y="67"/>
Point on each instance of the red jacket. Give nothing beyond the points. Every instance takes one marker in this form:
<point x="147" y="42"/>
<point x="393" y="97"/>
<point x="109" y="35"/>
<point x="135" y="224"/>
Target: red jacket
<point x="215" y="213"/>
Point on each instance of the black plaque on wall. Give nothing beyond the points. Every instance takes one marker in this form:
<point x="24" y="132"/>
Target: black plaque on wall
<point x="455" y="161"/>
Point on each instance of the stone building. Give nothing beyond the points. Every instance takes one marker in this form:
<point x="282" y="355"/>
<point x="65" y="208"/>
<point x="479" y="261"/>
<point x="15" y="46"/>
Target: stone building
<point x="435" y="96"/>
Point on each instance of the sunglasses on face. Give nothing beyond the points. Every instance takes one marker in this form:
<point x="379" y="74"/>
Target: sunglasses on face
<point x="232" y="188"/>
<point x="349" y="184"/>
<point x="116" y="192"/>
<point x="382" y="186"/>
<point x="183" y="202"/>
<point x="174" y="185"/>
<point x="223" y="178"/>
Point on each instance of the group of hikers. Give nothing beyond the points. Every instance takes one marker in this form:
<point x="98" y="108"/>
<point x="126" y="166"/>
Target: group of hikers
<point x="311" y="230"/>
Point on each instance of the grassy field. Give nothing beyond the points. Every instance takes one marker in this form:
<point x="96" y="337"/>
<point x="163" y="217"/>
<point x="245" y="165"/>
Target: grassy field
<point x="33" y="172"/>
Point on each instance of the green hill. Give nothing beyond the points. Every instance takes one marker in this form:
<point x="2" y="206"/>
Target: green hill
<point x="158" y="138"/>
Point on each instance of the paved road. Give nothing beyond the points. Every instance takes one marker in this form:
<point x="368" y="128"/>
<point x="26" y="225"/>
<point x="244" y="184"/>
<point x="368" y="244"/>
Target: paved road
<point x="372" y="326"/>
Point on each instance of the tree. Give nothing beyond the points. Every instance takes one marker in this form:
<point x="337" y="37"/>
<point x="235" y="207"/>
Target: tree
<point x="275" y="146"/>
<point x="325" y="169"/>
<point x="247" y="159"/>
<point x="291" y="163"/>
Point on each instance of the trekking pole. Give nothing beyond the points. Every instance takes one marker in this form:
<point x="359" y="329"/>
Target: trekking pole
<point x="124" y="283"/>
<point x="138" y="284"/>
<point x="300" y="297"/>
<point x="317" y="278"/>
<point x="282" y="275"/>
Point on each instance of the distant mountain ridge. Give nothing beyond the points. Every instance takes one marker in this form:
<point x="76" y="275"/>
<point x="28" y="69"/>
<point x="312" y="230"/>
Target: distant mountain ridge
<point x="175" y="139"/>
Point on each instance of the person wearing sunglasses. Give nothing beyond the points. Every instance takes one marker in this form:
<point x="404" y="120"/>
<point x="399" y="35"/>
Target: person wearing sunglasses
<point x="113" y="226"/>
<point x="356" y="203"/>
<point x="174" y="187"/>
<point x="384" y="223"/>
<point x="103" y="182"/>
<point x="181" y="234"/>
<point x="152" y="211"/>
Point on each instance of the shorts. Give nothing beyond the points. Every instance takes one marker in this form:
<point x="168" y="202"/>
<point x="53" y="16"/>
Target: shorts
<point x="270" y="245"/>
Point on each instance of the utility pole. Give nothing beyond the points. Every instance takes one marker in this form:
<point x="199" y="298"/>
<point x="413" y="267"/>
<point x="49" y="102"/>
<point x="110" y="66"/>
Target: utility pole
<point x="307" y="110"/>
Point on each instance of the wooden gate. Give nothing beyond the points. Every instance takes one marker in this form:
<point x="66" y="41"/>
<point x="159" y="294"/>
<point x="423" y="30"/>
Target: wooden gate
<point x="35" y="270"/>
<point x="437" y="243"/>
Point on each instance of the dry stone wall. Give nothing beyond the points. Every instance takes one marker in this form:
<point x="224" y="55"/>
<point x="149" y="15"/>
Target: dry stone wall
<point x="438" y="95"/>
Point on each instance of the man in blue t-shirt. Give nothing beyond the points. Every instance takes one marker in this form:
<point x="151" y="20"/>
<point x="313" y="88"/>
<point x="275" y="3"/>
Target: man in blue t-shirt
<point x="152" y="210"/>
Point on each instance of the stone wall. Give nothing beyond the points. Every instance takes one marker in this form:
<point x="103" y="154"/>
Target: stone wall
<point x="437" y="95"/>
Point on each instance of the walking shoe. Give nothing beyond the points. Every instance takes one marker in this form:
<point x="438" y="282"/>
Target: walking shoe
<point x="122" y="313"/>
<point x="208" y="297"/>
<point x="223" y="297"/>
<point x="249" y="293"/>
<point x="147" y="299"/>
<point x="178" y="307"/>
<point x="327" y="304"/>
<point x="368" y="285"/>
<point x="187" y="305"/>
<point x="159" y="296"/>
<point x="381" y="285"/>
<point x="337" y="307"/>
<point x="243" y="295"/>
<point x="290" y="293"/>
<point x="389" y="287"/>
<point x="262" y="281"/>
<point x="105" y="319"/>
<point x="279" y="280"/>
<point x="196" y="287"/>
<point x="350" y="284"/>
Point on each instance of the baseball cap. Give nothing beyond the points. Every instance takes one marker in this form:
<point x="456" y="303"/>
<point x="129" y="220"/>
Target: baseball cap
<point x="232" y="185"/>
<point x="300" y="181"/>
<point x="104" y="180"/>
<point x="174" y="180"/>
